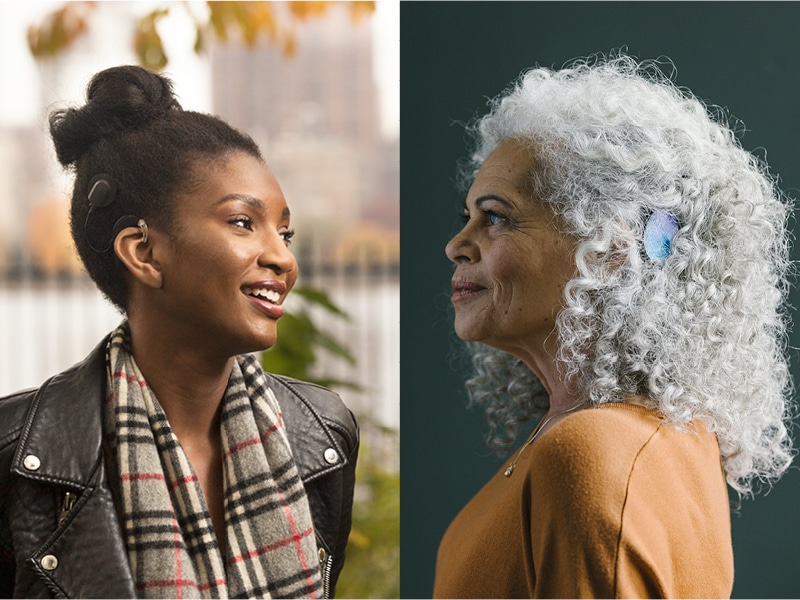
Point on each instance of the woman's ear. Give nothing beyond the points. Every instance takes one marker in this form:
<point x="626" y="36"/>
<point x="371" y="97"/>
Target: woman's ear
<point x="134" y="247"/>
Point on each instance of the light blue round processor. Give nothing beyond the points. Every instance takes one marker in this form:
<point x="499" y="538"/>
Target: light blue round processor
<point x="658" y="233"/>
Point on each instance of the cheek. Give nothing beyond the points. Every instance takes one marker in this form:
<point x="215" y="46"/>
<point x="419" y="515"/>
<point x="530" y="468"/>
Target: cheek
<point x="513" y="269"/>
<point x="205" y="262"/>
<point x="528" y="281"/>
<point x="556" y="273"/>
<point x="229" y="254"/>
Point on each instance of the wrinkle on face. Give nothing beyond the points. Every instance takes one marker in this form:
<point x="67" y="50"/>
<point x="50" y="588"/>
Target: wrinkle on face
<point x="512" y="245"/>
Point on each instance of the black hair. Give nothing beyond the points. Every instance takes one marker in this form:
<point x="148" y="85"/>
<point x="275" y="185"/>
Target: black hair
<point x="133" y="128"/>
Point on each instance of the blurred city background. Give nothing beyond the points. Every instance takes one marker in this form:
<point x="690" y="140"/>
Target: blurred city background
<point x="316" y="84"/>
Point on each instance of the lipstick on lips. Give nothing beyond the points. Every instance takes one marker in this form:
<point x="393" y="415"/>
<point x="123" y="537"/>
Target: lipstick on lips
<point x="266" y="295"/>
<point x="464" y="289"/>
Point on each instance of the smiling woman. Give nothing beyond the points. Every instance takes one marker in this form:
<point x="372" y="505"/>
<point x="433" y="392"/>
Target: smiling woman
<point x="620" y="278"/>
<point x="507" y="253"/>
<point x="168" y="464"/>
<point x="230" y="264"/>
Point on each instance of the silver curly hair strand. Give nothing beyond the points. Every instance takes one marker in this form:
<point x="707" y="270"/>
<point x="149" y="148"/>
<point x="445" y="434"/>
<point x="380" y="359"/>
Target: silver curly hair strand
<point x="701" y="334"/>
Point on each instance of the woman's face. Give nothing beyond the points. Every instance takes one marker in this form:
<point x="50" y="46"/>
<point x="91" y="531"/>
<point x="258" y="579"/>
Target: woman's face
<point x="229" y="268"/>
<point x="511" y="261"/>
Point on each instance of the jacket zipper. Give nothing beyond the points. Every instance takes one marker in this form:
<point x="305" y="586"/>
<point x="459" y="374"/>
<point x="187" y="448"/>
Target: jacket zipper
<point x="69" y="502"/>
<point x="326" y="576"/>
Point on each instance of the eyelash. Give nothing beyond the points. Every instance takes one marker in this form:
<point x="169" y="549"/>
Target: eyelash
<point x="489" y="214"/>
<point x="247" y="223"/>
<point x="287" y="236"/>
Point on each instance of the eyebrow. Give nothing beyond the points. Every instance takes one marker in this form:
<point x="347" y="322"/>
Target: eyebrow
<point x="256" y="203"/>
<point x="488" y="198"/>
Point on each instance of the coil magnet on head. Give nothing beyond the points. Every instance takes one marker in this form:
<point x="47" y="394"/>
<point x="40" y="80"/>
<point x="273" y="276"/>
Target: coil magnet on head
<point x="658" y="233"/>
<point x="102" y="190"/>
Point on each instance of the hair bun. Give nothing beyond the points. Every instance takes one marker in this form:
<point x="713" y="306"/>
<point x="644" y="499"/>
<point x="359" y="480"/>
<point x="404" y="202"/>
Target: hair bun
<point x="118" y="99"/>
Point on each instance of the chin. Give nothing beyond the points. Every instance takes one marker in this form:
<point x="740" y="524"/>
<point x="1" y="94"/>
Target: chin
<point x="467" y="333"/>
<point x="258" y="341"/>
<point x="266" y="342"/>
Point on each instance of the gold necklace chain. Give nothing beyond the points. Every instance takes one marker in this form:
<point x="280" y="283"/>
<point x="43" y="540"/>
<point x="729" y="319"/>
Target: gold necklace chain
<point x="536" y="431"/>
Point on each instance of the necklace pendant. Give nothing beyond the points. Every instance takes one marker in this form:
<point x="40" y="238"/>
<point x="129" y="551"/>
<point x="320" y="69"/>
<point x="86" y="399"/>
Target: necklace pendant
<point x="509" y="471"/>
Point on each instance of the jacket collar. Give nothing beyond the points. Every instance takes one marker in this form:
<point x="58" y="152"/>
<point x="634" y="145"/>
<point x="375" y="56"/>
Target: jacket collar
<point x="62" y="436"/>
<point x="61" y="441"/>
<point x="313" y="444"/>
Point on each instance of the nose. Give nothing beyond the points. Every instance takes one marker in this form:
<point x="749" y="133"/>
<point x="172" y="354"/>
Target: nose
<point x="276" y="256"/>
<point x="462" y="248"/>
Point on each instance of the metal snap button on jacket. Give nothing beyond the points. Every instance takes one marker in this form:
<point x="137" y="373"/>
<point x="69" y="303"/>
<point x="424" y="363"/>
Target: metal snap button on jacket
<point x="49" y="562"/>
<point x="31" y="462"/>
<point x="331" y="456"/>
<point x="322" y="555"/>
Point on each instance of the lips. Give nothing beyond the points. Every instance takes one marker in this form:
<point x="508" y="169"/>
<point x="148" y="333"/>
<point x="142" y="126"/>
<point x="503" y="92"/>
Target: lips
<point x="463" y="289"/>
<point x="266" y="296"/>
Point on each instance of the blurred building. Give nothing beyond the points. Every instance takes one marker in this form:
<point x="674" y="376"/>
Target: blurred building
<point x="315" y="114"/>
<point x="326" y="87"/>
<point x="23" y="184"/>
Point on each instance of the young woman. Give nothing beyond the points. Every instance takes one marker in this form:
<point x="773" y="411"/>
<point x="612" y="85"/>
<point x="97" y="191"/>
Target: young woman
<point x="168" y="464"/>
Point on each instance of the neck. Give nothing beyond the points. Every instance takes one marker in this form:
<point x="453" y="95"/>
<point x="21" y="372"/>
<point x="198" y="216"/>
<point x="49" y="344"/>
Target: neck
<point x="540" y="359"/>
<point x="188" y="381"/>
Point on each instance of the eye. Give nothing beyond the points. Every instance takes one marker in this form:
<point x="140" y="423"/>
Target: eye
<point x="242" y="222"/>
<point x="495" y="218"/>
<point x="287" y="236"/>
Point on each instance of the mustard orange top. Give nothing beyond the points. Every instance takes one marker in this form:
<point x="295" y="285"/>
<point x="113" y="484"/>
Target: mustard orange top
<point x="608" y="503"/>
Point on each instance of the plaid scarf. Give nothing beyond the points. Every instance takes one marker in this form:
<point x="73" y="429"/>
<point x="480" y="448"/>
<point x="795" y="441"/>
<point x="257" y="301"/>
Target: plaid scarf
<point x="172" y="549"/>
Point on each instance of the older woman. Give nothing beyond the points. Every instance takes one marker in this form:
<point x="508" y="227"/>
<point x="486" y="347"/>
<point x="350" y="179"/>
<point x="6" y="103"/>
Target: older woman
<point x="168" y="464"/>
<point x="621" y="273"/>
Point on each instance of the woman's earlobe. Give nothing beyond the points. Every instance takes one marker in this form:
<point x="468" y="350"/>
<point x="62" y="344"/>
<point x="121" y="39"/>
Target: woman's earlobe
<point x="134" y="247"/>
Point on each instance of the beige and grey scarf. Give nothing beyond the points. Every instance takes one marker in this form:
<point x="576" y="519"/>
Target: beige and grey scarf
<point x="172" y="549"/>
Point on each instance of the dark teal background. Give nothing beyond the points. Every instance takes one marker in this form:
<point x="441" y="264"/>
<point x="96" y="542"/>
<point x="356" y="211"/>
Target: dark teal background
<point x="454" y="56"/>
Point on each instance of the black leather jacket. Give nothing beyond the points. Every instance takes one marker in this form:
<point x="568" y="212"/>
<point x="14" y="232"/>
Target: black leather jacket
<point x="59" y="530"/>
